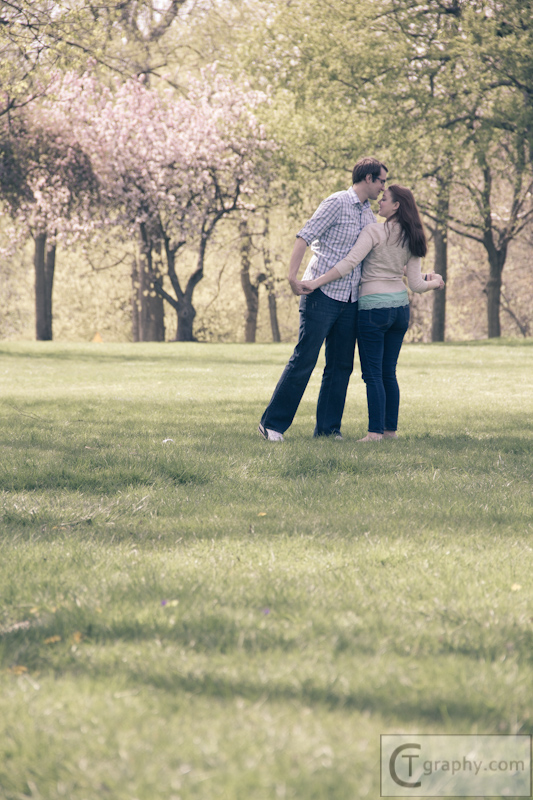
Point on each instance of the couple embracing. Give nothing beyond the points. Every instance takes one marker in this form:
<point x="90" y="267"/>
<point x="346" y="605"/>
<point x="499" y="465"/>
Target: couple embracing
<point x="352" y="290"/>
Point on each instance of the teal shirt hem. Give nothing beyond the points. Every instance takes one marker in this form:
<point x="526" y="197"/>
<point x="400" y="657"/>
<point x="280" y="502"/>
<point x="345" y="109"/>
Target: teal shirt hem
<point x="385" y="300"/>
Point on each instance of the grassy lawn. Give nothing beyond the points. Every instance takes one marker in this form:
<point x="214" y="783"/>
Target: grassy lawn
<point x="187" y="611"/>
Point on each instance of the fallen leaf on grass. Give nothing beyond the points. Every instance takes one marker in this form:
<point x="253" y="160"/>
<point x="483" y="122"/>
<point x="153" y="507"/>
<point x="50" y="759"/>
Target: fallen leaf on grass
<point x="19" y="669"/>
<point x="262" y="514"/>
<point x="52" y="639"/>
<point x="77" y="637"/>
<point x="516" y="587"/>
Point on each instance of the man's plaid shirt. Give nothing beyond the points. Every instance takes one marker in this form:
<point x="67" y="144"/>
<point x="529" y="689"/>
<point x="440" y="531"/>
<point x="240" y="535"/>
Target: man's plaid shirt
<point x="332" y="231"/>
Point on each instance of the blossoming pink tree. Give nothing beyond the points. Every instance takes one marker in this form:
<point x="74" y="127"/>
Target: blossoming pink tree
<point x="46" y="186"/>
<point x="169" y="167"/>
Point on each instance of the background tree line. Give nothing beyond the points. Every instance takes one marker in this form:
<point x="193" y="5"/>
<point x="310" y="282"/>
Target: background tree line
<point x="170" y="151"/>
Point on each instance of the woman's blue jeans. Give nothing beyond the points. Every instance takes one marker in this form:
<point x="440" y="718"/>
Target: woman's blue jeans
<point x="321" y="318"/>
<point x="380" y="337"/>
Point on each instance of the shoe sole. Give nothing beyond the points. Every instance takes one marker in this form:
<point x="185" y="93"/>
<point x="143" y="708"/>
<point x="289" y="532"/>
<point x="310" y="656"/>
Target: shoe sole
<point x="263" y="432"/>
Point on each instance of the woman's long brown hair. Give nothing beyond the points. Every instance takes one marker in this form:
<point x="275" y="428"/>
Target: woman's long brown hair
<point x="408" y="217"/>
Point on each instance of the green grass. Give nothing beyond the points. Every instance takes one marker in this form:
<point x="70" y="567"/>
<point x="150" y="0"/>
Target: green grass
<point x="221" y="617"/>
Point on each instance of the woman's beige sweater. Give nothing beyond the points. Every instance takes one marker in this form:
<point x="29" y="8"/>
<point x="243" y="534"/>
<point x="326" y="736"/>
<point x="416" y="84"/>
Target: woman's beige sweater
<point x="384" y="260"/>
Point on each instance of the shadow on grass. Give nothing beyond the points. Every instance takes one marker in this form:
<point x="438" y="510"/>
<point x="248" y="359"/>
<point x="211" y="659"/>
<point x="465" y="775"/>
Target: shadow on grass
<point x="39" y="459"/>
<point x="92" y="354"/>
<point x="500" y="342"/>
<point x="388" y="699"/>
<point x="169" y="353"/>
<point x="117" y="447"/>
<point x="432" y="700"/>
<point x="96" y="477"/>
<point x="216" y="634"/>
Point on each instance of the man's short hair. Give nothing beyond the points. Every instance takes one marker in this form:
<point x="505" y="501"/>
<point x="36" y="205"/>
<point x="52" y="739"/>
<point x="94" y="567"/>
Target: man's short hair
<point x="367" y="166"/>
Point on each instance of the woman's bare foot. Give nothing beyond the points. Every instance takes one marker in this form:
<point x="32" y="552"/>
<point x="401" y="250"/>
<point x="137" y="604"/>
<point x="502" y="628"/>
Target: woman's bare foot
<point x="372" y="437"/>
<point x="390" y="435"/>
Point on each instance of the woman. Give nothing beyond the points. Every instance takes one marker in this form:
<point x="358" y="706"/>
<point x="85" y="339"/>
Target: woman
<point x="390" y="251"/>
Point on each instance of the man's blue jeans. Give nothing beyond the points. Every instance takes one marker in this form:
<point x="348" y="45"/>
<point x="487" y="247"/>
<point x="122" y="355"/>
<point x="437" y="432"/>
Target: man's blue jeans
<point x="380" y="337"/>
<point x="321" y="318"/>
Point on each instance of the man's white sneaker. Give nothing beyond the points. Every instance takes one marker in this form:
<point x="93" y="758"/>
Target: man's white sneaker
<point x="270" y="435"/>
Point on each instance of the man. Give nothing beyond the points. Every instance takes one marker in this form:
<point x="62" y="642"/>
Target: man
<point x="330" y="313"/>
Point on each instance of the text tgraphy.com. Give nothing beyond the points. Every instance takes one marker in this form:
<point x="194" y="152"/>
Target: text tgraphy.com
<point x="468" y="765"/>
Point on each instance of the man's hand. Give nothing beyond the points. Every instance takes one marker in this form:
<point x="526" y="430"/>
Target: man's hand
<point x="299" y="287"/>
<point x="308" y="287"/>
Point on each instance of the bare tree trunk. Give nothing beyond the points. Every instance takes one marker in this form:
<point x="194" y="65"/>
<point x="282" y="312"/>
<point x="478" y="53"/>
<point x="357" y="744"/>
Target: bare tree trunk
<point x="40" y="304"/>
<point x="44" y="263"/>
<point x="184" y="307"/>
<point x="49" y="269"/>
<point x="494" y="287"/>
<point x="251" y="291"/>
<point x="272" y="305"/>
<point x="135" y="302"/>
<point x="151" y="308"/>
<point x="273" y="311"/>
<point x="182" y="303"/>
<point x="440" y="240"/>
<point x="186" y="315"/>
<point x="152" y="314"/>
<point x="497" y="258"/>
<point x="438" y="322"/>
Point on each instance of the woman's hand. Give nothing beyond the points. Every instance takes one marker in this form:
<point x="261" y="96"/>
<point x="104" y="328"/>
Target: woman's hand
<point x="435" y="280"/>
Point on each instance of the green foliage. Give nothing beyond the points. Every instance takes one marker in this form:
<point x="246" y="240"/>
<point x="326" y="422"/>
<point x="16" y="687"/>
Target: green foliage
<point x="40" y="36"/>
<point x="440" y="90"/>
